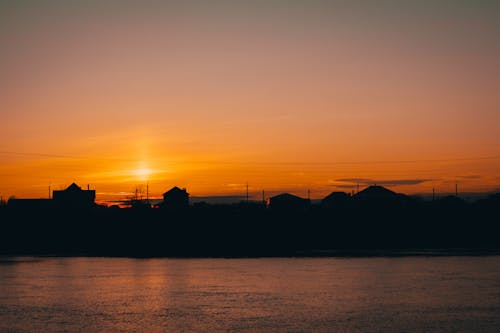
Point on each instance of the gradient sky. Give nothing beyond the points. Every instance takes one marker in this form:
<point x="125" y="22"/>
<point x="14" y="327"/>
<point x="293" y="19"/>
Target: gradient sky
<point x="287" y="95"/>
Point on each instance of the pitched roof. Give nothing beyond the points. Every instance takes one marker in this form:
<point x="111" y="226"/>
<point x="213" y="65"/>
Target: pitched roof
<point x="337" y="196"/>
<point x="175" y="190"/>
<point x="286" y="196"/>
<point x="376" y="191"/>
<point x="74" y="187"/>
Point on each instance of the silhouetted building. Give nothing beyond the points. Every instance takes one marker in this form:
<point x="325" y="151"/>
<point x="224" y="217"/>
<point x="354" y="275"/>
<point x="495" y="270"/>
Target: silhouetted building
<point x="376" y="192"/>
<point x="30" y="204"/>
<point x="175" y="198"/>
<point x="74" y="197"/>
<point x="290" y="202"/>
<point x="336" y="200"/>
<point x="378" y="196"/>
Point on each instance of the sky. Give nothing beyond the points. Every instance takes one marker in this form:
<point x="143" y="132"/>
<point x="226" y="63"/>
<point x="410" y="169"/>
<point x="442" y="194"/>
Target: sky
<point x="282" y="95"/>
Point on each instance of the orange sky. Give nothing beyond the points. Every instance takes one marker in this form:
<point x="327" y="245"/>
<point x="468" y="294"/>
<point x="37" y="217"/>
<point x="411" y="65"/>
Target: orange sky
<point x="287" y="95"/>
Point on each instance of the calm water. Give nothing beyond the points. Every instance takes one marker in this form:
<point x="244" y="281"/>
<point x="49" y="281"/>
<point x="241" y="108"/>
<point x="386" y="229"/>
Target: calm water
<point x="411" y="294"/>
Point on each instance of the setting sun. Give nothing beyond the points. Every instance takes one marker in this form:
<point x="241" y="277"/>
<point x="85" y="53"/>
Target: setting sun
<point x="143" y="174"/>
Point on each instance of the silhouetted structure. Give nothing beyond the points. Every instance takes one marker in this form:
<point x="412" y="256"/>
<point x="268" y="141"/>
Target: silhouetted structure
<point x="375" y="219"/>
<point x="290" y="202"/>
<point x="175" y="198"/>
<point x="74" y="197"/>
<point x="30" y="204"/>
<point x="336" y="200"/>
<point x="376" y="192"/>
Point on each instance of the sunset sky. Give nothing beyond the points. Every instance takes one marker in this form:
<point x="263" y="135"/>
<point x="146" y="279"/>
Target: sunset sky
<point x="285" y="95"/>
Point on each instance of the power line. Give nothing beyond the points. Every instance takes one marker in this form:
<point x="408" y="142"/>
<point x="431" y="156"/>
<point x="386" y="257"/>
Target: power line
<point x="438" y="160"/>
<point x="65" y="156"/>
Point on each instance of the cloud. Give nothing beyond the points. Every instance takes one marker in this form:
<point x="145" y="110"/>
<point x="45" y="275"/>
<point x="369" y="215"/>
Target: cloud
<point x="345" y="186"/>
<point x="384" y="182"/>
<point x="397" y="182"/>
<point x="355" y="180"/>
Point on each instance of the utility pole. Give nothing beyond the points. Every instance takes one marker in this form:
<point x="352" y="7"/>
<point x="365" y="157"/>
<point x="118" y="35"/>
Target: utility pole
<point x="456" y="189"/>
<point x="247" y="192"/>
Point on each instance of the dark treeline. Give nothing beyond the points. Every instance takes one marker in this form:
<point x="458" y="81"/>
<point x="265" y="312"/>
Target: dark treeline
<point x="254" y="229"/>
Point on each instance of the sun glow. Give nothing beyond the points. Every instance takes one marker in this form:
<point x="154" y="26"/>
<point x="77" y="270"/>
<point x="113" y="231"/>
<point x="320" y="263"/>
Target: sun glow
<point x="143" y="173"/>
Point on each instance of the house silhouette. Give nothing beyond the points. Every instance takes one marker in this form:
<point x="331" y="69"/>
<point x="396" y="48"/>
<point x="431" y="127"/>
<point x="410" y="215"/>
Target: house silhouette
<point x="381" y="197"/>
<point x="336" y="200"/>
<point x="30" y="204"/>
<point x="376" y="192"/>
<point x="289" y="202"/>
<point x="74" y="197"/>
<point x="175" y="198"/>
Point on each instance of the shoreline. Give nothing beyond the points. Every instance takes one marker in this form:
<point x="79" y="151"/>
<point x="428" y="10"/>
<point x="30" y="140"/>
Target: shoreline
<point x="355" y="253"/>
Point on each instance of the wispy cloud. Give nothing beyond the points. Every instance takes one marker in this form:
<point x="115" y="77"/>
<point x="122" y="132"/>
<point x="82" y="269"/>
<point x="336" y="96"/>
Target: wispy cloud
<point x="354" y="180"/>
<point x="350" y="182"/>
<point x="345" y="186"/>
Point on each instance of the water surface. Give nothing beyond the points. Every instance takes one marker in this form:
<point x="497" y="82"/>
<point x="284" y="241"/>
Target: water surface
<point x="407" y="294"/>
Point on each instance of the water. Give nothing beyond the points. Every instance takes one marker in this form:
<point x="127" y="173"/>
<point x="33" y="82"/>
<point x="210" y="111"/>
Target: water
<point x="409" y="294"/>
